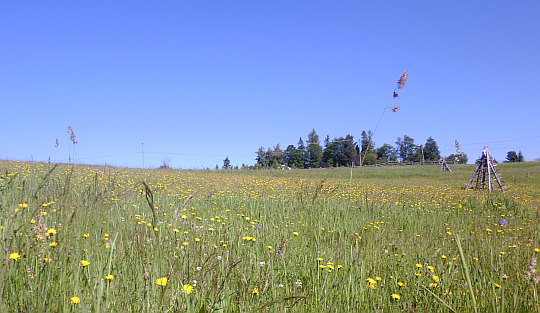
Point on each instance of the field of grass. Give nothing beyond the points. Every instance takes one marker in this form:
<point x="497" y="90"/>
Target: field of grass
<point x="398" y="239"/>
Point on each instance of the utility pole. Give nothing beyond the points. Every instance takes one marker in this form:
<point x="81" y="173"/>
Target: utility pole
<point x="143" y="155"/>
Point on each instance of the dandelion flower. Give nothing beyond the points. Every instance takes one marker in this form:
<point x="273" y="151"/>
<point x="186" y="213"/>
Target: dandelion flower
<point x="295" y="233"/>
<point x="85" y="263"/>
<point x="396" y="296"/>
<point x="187" y="289"/>
<point x="14" y="256"/>
<point x="86" y="235"/>
<point x="401" y="284"/>
<point x="255" y="291"/>
<point x="47" y="260"/>
<point x="109" y="277"/>
<point x="53" y="244"/>
<point x="419" y="265"/>
<point x="75" y="300"/>
<point x="436" y="278"/>
<point x="51" y="232"/>
<point x="162" y="281"/>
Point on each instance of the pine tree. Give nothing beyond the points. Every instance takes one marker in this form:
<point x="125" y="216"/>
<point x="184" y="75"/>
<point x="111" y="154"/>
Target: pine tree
<point x="227" y="163"/>
<point x="431" y="150"/>
<point x="314" y="150"/>
<point x="302" y="148"/>
<point x="366" y="142"/>
<point x="511" y="156"/>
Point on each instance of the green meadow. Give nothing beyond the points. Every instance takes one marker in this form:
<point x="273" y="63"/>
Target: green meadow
<point x="80" y="238"/>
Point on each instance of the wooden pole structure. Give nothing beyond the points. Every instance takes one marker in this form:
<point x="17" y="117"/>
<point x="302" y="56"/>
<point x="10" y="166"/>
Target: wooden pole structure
<point x="484" y="171"/>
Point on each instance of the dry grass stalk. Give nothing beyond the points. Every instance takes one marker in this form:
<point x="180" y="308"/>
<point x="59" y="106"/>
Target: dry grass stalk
<point x="403" y="80"/>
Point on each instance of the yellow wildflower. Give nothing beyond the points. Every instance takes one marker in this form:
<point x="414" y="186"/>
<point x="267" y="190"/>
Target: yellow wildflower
<point x="162" y="281"/>
<point x="14" y="256"/>
<point x="187" y="289"/>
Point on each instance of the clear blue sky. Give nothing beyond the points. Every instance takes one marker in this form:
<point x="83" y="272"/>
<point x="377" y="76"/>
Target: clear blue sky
<point x="197" y="81"/>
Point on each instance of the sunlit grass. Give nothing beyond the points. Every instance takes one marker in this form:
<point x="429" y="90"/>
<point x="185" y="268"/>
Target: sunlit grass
<point x="87" y="239"/>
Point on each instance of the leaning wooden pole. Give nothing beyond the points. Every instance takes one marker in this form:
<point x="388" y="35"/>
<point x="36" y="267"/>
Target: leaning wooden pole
<point x="484" y="173"/>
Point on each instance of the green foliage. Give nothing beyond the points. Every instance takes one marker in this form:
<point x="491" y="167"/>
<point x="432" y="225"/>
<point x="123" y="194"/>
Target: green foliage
<point x="431" y="150"/>
<point x="512" y="156"/>
<point x="371" y="158"/>
<point x="293" y="157"/>
<point x="314" y="150"/>
<point x="408" y="151"/>
<point x="367" y="142"/>
<point x="458" y="158"/>
<point x="340" y="152"/>
<point x="271" y="158"/>
<point x="227" y="164"/>
<point x="386" y="153"/>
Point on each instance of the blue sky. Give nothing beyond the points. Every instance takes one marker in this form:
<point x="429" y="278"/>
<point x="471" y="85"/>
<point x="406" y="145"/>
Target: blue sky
<point x="197" y="81"/>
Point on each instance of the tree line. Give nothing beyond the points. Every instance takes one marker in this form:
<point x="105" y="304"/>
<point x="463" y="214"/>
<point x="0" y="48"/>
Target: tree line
<point x="345" y="151"/>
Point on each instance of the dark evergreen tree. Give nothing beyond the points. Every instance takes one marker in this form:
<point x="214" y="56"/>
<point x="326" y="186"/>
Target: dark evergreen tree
<point x="386" y="153"/>
<point x="431" y="150"/>
<point x="262" y="158"/>
<point x="314" y="150"/>
<point x="511" y="157"/>
<point x="520" y="157"/>
<point x="408" y="151"/>
<point x="366" y="142"/>
<point x="340" y="152"/>
<point x="275" y="156"/>
<point x="294" y="157"/>
<point x="302" y="148"/>
<point x="227" y="163"/>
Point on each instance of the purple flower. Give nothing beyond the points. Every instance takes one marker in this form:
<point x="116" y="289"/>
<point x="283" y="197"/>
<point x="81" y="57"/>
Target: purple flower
<point x="503" y="222"/>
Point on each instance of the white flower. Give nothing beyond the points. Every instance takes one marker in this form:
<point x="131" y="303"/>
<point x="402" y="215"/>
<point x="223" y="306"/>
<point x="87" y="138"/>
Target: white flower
<point x="219" y="257"/>
<point x="198" y="268"/>
<point x="262" y="263"/>
<point x="298" y="283"/>
<point x="280" y="285"/>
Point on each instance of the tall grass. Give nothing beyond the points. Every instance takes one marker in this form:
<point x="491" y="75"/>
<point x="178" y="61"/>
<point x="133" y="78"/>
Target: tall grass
<point x="265" y="241"/>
